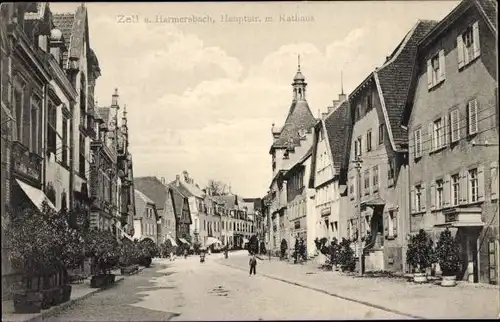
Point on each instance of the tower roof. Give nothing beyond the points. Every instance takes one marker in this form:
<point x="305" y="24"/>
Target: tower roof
<point x="299" y="117"/>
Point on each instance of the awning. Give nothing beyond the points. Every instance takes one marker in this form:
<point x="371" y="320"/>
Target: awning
<point x="172" y="241"/>
<point x="123" y="233"/>
<point x="184" y="241"/>
<point x="373" y="202"/>
<point x="212" y="240"/>
<point x="36" y="195"/>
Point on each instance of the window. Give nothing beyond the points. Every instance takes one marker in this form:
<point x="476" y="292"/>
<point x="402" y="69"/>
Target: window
<point x="381" y="134"/>
<point x="437" y="133"/>
<point x="455" y="125"/>
<point x="369" y="103"/>
<point x="455" y="189"/>
<point x="358" y="146"/>
<point x="36" y="126"/>
<point x="351" y="186"/>
<point x="473" y="185"/>
<point x="435" y="69"/>
<point x="390" y="171"/>
<point x="418" y="198"/>
<point x="468" y="45"/>
<point x="369" y="140"/>
<point x="418" y="143"/>
<point x="439" y="194"/>
<point x="375" y="178"/>
<point x="367" y="181"/>
<point x="18" y="106"/>
<point x="472" y="116"/>
<point x="52" y="128"/>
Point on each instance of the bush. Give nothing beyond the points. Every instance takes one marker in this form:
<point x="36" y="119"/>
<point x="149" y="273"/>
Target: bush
<point x="345" y="257"/>
<point x="420" y="253"/>
<point x="104" y="248"/>
<point x="447" y="254"/>
<point x="333" y="251"/>
<point x="148" y="248"/>
<point x="283" y="248"/>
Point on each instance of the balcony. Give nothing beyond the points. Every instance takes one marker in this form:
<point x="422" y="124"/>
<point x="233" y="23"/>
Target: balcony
<point x="25" y="163"/>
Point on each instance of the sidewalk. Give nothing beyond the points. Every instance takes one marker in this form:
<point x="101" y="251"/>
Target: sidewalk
<point x="79" y="292"/>
<point x="426" y="301"/>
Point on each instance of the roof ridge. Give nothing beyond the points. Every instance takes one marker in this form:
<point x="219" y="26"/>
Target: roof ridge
<point x="401" y="46"/>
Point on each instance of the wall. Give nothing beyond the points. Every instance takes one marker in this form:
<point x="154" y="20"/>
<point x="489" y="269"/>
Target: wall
<point x="478" y="79"/>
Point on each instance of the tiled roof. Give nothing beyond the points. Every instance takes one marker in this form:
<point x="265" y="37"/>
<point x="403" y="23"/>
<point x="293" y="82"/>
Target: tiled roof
<point x="188" y="189"/>
<point x="64" y="22"/>
<point x="490" y="9"/>
<point x="337" y="128"/>
<point x="153" y="188"/>
<point x="299" y="117"/>
<point x="143" y="197"/>
<point x="395" y="79"/>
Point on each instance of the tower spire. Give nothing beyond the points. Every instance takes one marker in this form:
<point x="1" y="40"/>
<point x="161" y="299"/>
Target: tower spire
<point x="341" y="83"/>
<point x="298" y="63"/>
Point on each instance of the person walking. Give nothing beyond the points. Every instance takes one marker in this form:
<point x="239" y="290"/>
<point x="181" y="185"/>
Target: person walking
<point x="253" y="265"/>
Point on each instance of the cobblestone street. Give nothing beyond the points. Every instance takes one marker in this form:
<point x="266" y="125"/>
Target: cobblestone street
<point x="189" y="290"/>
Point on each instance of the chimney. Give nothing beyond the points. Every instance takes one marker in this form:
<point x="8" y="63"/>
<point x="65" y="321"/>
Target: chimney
<point x="331" y="108"/>
<point x="342" y="97"/>
<point x="162" y="180"/>
<point x="177" y="180"/>
<point x="323" y="115"/>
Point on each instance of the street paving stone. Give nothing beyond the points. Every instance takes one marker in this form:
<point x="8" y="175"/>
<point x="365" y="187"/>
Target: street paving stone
<point x="419" y="300"/>
<point x="190" y="290"/>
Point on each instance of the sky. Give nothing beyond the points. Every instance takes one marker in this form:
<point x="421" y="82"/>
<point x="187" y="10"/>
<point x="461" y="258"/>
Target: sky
<point x="202" y="96"/>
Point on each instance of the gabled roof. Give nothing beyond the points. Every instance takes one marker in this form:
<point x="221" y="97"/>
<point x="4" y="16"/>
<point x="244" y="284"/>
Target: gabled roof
<point x="178" y="200"/>
<point x="393" y="81"/>
<point x="143" y="197"/>
<point x="188" y="190"/>
<point x="338" y="130"/>
<point x="299" y="117"/>
<point x="153" y="189"/>
<point x="489" y="9"/>
<point x="298" y="164"/>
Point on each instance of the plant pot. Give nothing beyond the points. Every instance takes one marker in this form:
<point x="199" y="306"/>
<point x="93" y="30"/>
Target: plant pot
<point x="56" y="296"/>
<point x="449" y="281"/>
<point x="110" y="279"/>
<point x="66" y="293"/>
<point x="47" y="299"/>
<point x="420" y="278"/>
<point x="27" y="302"/>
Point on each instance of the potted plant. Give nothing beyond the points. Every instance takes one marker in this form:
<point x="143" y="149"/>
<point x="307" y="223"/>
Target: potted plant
<point x="30" y="240"/>
<point x="419" y="255"/>
<point x="148" y="250"/>
<point x="447" y="253"/>
<point x="102" y="246"/>
<point x="345" y="257"/>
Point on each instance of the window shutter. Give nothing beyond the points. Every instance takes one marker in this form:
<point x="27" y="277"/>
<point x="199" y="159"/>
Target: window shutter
<point x="446" y="131"/>
<point x="455" y="125"/>
<point x="442" y="72"/>
<point x="447" y="191"/>
<point x="472" y="109"/>
<point x="395" y="224"/>
<point x="433" y="196"/>
<point x="412" y="201"/>
<point x="460" y="51"/>
<point x="480" y="183"/>
<point x="349" y="229"/>
<point x="476" y="40"/>
<point x="494" y="180"/>
<point x="431" y="137"/>
<point x="429" y="74"/>
<point x="423" y="200"/>
<point x="464" y="188"/>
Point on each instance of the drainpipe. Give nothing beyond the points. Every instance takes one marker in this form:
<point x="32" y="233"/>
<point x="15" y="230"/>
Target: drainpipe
<point x="406" y="219"/>
<point x="44" y="141"/>
<point x="71" y="150"/>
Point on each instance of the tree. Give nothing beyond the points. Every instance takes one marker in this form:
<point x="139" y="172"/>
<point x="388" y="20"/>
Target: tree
<point x="216" y="187"/>
<point x="253" y="245"/>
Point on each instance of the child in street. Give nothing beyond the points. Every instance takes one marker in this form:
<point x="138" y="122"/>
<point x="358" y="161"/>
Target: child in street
<point x="253" y="264"/>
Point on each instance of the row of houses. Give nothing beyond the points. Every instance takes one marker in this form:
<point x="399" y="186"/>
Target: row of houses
<point x="57" y="144"/>
<point x="414" y="146"/>
<point x="182" y="212"/>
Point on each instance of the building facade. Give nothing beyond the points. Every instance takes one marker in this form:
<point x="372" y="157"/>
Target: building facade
<point x="290" y="143"/>
<point x="451" y="117"/>
<point x="182" y="215"/>
<point x="146" y="218"/>
<point x="330" y="155"/>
